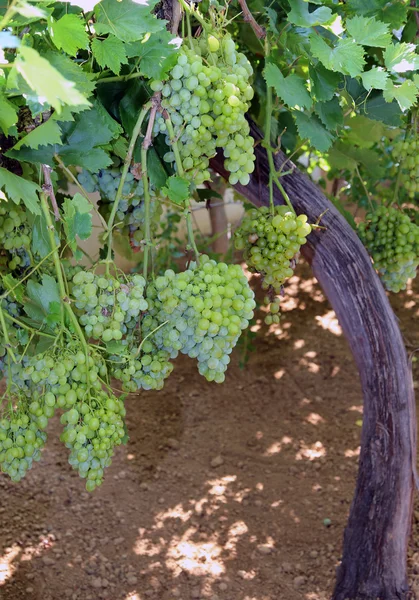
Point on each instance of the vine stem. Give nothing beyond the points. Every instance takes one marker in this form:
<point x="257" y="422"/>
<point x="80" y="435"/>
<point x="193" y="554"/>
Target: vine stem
<point x="49" y="190"/>
<point x="24" y="326"/>
<point x="189" y="10"/>
<point x="57" y="265"/>
<point x="6" y="335"/>
<point x="365" y="187"/>
<point x="273" y="175"/>
<point x="181" y="172"/>
<point x="119" y="78"/>
<point x="249" y="18"/>
<point x="135" y="134"/>
<point x="144" y="174"/>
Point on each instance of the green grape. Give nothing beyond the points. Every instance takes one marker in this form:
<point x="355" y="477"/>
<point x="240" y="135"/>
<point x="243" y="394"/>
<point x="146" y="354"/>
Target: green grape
<point x="406" y="158"/>
<point x="207" y="96"/>
<point x="15" y="237"/>
<point x="271" y="245"/>
<point x="393" y="243"/>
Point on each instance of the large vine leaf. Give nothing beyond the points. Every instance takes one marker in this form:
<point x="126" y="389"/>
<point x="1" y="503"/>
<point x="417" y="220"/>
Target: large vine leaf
<point x="69" y="34"/>
<point x="8" y="114"/>
<point x="323" y="82"/>
<point x="83" y="81"/>
<point x="77" y="219"/>
<point x="368" y="31"/>
<point x="47" y="133"/>
<point x="157" y="55"/>
<point x="301" y="17"/>
<point x="19" y="190"/>
<point x="126" y="19"/>
<point x="48" y="83"/>
<point x="405" y="94"/>
<point x="110" y="52"/>
<point x="330" y="113"/>
<point x="346" y="57"/>
<point x="291" y="89"/>
<point x="394" y="13"/>
<point x="401" y="57"/>
<point x="310" y="128"/>
<point x="375" y="78"/>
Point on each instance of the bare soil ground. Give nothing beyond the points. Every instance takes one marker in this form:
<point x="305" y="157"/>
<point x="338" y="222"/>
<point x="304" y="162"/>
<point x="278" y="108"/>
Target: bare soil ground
<point x="231" y="492"/>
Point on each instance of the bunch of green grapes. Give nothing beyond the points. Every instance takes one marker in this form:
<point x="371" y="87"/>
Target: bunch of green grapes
<point x="146" y="369"/>
<point x="271" y="245"/>
<point x="393" y="243"/>
<point x="406" y="154"/>
<point x="207" y="96"/>
<point x="15" y="237"/>
<point x="22" y="437"/>
<point x="130" y="216"/>
<point x="202" y="312"/>
<point x="108" y="308"/>
<point x="93" y="428"/>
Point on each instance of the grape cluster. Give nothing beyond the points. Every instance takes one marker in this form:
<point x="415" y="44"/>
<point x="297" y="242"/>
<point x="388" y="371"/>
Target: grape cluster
<point x="406" y="154"/>
<point x="271" y="245"/>
<point x="207" y="95"/>
<point x="92" y="430"/>
<point x="204" y="309"/>
<point x="393" y="243"/>
<point x="21" y="438"/>
<point x="108" y="308"/>
<point x="145" y="370"/>
<point x="15" y="236"/>
<point x="130" y="216"/>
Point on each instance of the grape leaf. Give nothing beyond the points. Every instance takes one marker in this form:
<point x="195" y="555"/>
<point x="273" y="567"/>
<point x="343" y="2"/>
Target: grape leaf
<point x="291" y="89"/>
<point x="310" y="128"/>
<point x="272" y="20"/>
<point x="363" y="131"/>
<point x="157" y="54"/>
<point x="93" y="160"/>
<point x="346" y="57"/>
<point x="127" y="20"/>
<point x="368" y="31"/>
<point x="110" y="53"/>
<point x="69" y="34"/>
<point x="71" y="71"/>
<point x="40" y="236"/>
<point x="8" y="114"/>
<point x="300" y="16"/>
<point x="323" y="82"/>
<point x="388" y="112"/>
<point x="401" y="57"/>
<point x="47" y="133"/>
<point x="45" y="80"/>
<point x="177" y="189"/>
<point x="20" y="190"/>
<point x="77" y="219"/>
<point x="375" y="78"/>
<point x="10" y="283"/>
<point x="394" y="13"/>
<point x="43" y="298"/>
<point x="405" y="94"/>
<point x="330" y="113"/>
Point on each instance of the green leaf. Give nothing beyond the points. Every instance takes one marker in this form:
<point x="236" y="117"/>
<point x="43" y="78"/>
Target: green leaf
<point x="77" y="219"/>
<point x="330" y="113"/>
<point x="20" y="190"/>
<point x="375" y="78"/>
<point x="156" y="170"/>
<point x="157" y="54"/>
<point x="83" y="81"/>
<point x="405" y="94"/>
<point x="40" y="237"/>
<point x="300" y="16"/>
<point x="93" y="160"/>
<point x="126" y="19"/>
<point x="177" y="189"/>
<point x="339" y="159"/>
<point x="368" y="31"/>
<point x="272" y="20"/>
<point x="45" y="80"/>
<point x="394" y="13"/>
<point x="378" y="109"/>
<point x="323" y="82"/>
<point x="47" y="133"/>
<point x="110" y="53"/>
<point x="310" y="128"/>
<point x="43" y="298"/>
<point x="8" y="114"/>
<point x="346" y="57"/>
<point x="364" y="132"/>
<point x="291" y="89"/>
<point x="69" y="34"/>
<point x="401" y="57"/>
<point x="10" y="283"/>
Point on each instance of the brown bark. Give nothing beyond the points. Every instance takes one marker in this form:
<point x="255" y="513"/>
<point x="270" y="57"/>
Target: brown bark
<point x="376" y="537"/>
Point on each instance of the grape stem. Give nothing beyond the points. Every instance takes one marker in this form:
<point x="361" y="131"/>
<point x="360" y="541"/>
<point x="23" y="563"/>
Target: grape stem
<point x="127" y="162"/>
<point x="189" y="10"/>
<point x="49" y="191"/>
<point x="144" y="175"/>
<point x="365" y="187"/>
<point x="56" y="259"/>
<point x="181" y="172"/>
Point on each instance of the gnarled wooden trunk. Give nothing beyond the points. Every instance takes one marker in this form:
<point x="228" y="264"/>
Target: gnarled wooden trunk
<point x="376" y="537"/>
